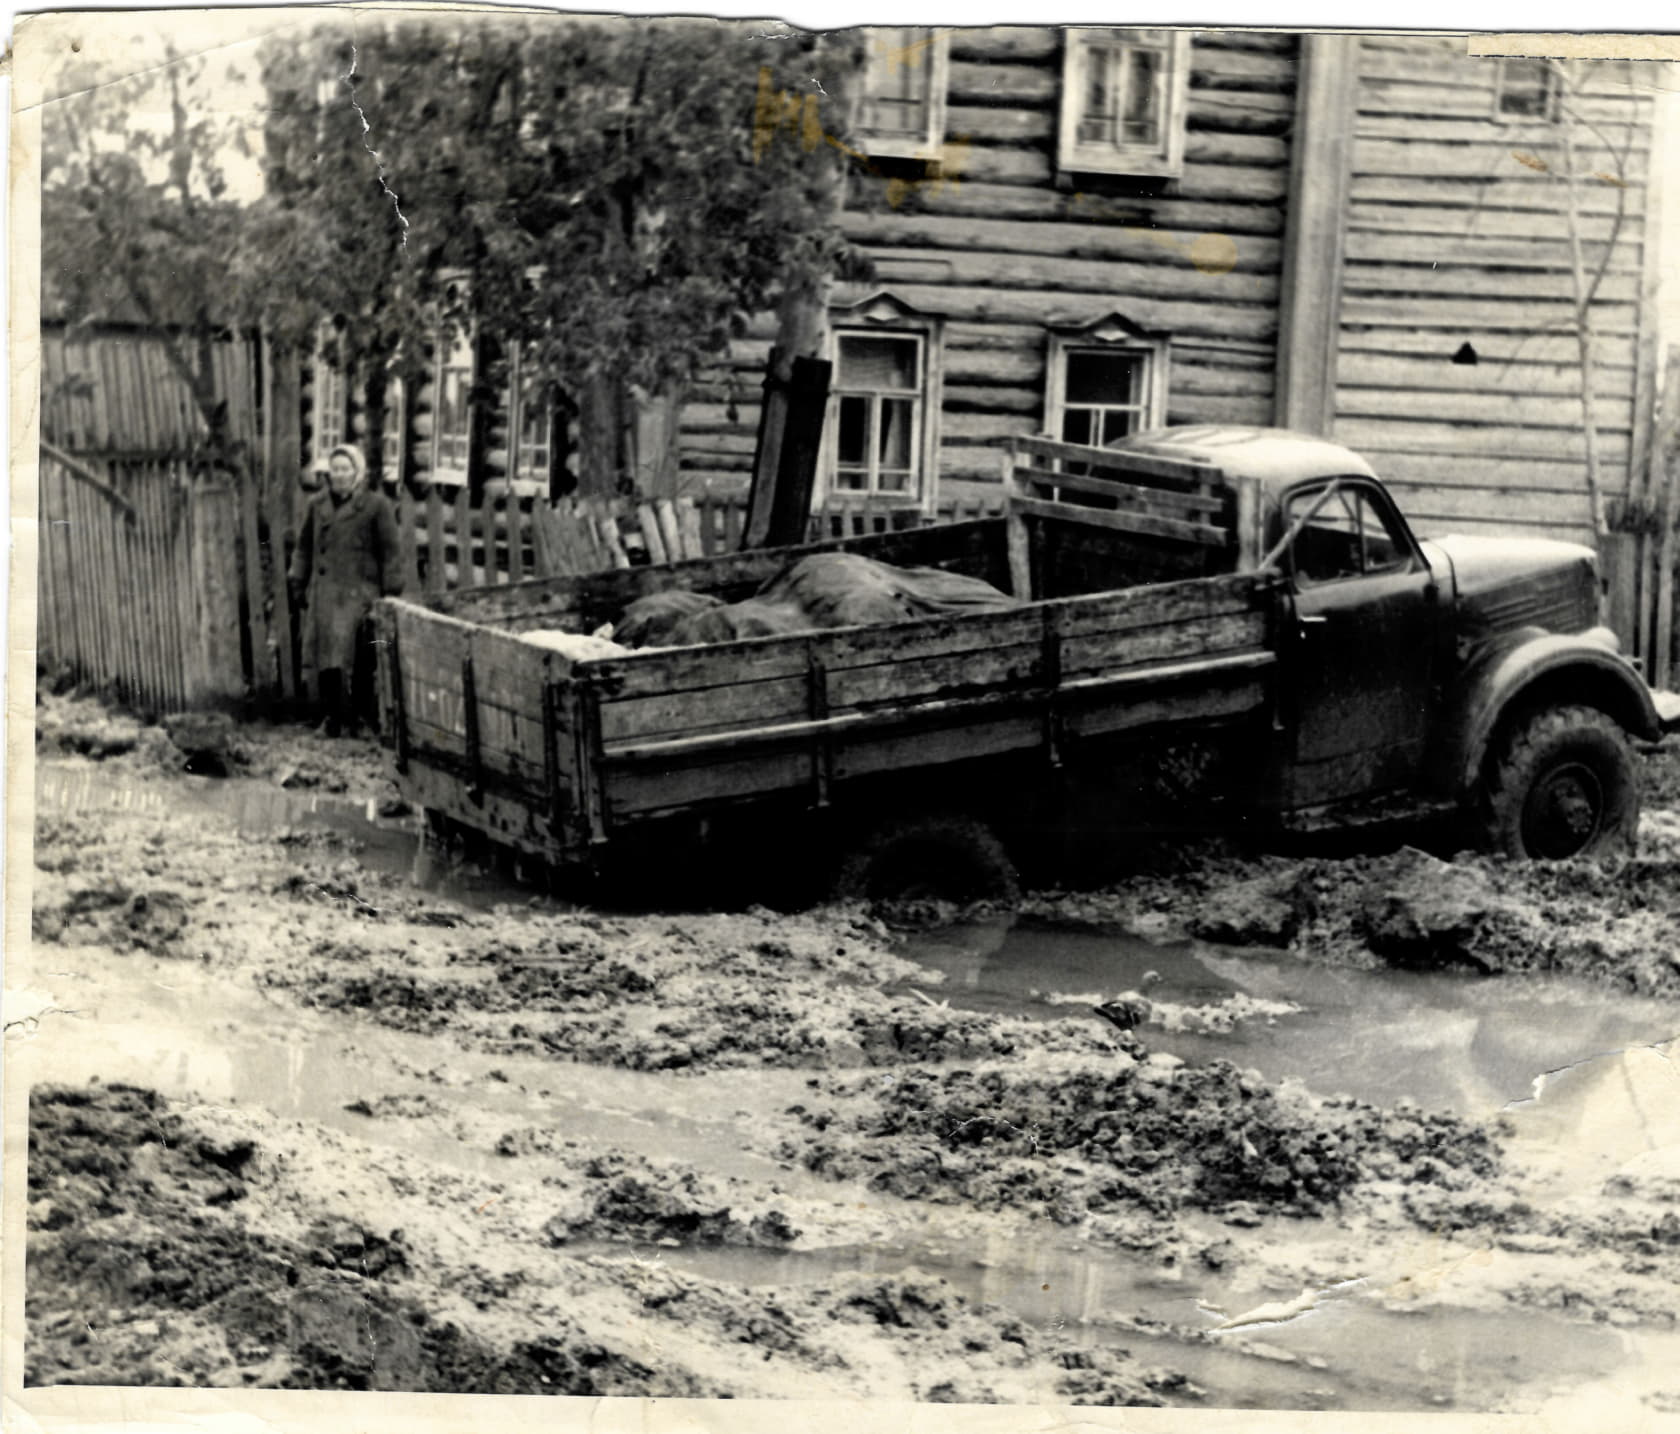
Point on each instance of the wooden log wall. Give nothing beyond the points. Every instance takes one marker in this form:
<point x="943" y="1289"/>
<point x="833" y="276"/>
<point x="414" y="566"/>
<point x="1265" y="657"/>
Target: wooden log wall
<point x="1000" y="252"/>
<point x="1458" y="233"/>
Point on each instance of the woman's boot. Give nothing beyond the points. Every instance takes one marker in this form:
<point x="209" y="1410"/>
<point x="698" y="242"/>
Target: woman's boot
<point x="332" y="702"/>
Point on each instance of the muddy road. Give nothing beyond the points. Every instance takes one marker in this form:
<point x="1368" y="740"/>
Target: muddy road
<point x="313" y="1106"/>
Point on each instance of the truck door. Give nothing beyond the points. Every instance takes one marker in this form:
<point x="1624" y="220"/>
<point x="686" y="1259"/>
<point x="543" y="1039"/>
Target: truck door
<point x="1361" y="657"/>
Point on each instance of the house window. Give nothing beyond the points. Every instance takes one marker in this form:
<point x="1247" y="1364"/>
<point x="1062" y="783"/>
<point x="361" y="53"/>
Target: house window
<point x="904" y="82"/>
<point x="330" y="394"/>
<point x="880" y="381"/>
<point x="1123" y="96"/>
<point x="1526" y="89"/>
<point x="532" y="425"/>
<point x="1101" y="391"/>
<point x="452" y="415"/>
<point x="393" y="444"/>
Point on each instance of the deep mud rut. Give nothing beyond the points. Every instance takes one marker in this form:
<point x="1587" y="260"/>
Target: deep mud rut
<point x="311" y="1108"/>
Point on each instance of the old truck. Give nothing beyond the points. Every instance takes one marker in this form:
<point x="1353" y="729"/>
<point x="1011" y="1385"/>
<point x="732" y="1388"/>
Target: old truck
<point x="1215" y="629"/>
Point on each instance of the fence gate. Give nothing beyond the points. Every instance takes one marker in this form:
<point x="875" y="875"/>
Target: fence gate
<point x="138" y="584"/>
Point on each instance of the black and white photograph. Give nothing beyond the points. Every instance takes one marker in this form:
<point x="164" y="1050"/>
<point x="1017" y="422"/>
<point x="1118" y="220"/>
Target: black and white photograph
<point x="704" y="710"/>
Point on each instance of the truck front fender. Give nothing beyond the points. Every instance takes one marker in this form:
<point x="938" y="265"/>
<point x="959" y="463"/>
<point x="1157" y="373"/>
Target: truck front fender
<point x="1532" y="667"/>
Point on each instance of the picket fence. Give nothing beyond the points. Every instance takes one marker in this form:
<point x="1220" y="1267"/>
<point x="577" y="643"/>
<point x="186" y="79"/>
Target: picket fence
<point x="168" y="590"/>
<point x="451" y="541"/>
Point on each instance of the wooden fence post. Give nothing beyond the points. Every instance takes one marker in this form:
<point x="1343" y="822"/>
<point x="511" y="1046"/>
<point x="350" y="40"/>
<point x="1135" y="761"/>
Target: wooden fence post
<point x="1665" y="460"/>
<point x="282" y="454"/>
<point x="212" y="529"/>
<point x="1619" y="559"/>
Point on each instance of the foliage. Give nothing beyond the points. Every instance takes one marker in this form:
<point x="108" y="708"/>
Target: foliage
<point x="597" y="179"/>
<point x="137" y="225"/>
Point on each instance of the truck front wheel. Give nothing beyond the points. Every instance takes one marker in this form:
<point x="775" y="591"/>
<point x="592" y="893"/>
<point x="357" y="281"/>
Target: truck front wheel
<point x="935" y="856"/>
<point x="1563" y="785"/>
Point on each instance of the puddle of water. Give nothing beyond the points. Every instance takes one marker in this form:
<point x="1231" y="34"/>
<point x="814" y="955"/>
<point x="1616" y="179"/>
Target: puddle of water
<point x="391" y="846"/>
<point x="141" y="1020"/>
<point x="1350" y="1353"/>
<point x="1464" y="1044"/>
<point x="1444" y="1041"/>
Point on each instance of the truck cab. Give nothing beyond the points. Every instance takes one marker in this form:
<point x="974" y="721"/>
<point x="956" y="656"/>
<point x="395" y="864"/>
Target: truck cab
<point x="1459" y="672"/>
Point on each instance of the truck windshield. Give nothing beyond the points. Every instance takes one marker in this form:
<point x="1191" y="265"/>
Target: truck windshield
<point x="1344" y="534"/>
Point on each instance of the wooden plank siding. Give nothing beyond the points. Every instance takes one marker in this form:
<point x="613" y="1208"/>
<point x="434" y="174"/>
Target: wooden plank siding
<point x="1001" y="254"/>
<point x="1458" y="232"/>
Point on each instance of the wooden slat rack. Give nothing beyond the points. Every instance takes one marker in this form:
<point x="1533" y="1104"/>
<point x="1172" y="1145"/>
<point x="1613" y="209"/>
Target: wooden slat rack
<point x="1148" y="494"/>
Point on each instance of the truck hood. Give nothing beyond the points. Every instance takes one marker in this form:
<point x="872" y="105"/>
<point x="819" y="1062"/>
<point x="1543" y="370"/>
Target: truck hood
<point x="1501" y="584"/>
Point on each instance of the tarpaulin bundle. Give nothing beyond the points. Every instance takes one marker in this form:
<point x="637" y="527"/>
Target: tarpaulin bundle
<point x="652" y="621"/>
<point x="821" y="591"/>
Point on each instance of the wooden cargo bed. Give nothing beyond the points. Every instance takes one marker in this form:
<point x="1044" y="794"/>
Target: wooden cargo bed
<point x="554" y="757"/>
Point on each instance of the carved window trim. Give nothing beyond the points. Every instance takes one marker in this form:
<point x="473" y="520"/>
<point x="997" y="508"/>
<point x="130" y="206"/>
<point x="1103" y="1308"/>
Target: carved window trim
<point x="887" y="316"/>
<point x="1086" y="46"/>
<point x="888" y="60"/>
<point x="1114" y="334"/>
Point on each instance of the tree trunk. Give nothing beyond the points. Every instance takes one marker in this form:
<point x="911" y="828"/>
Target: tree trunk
<point x="373" y="416"/>
<point x="801" y="331"/>
<point x="656" y="455"/>
<point x="600" y="438"/>
<point x="1585" y="338"/>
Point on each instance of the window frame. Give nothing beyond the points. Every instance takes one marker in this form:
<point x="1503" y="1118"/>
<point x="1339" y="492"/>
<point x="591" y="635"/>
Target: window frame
<point x="1393" y="523"/>
<point x="1156" y="350"/>
<point x="393" y="437"/>
<point x="329" y="393"/>
<point x="1552" y="94"/>
<point x="446" y="347"/>
<point x="1163" y="159"/>
<point x="520" y="481"/>
<point x="924" y="448"/>
<point x="927" y="145"/>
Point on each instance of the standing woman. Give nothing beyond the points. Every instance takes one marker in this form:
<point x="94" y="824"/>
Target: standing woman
<point x="347" y="558"/>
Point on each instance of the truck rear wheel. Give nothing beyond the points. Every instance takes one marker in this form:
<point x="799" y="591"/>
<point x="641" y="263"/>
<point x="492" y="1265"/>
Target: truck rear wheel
<point x="1563" y="785"/>
<point x="942" y="856"/>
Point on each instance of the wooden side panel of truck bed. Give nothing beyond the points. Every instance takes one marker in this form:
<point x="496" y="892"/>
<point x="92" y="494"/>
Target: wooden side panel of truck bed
<point x="696" y="725"/>
<point x="554" y="757"/>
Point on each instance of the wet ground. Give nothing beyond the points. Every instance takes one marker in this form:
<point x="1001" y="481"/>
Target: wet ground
<point x="913" y="1164"/>
<point x="1456" y="1041"/>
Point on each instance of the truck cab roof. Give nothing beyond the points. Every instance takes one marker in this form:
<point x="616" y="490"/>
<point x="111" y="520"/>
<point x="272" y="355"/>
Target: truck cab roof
<point x="1276" y="457"/>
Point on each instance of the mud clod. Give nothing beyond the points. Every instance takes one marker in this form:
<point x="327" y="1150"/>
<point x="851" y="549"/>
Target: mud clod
<point x="1159" y="1140"/>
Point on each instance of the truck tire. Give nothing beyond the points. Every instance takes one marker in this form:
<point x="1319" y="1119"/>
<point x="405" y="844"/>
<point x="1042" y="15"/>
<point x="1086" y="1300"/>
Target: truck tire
<point x="943" y="856"/>
<point x="1563" y="785"/>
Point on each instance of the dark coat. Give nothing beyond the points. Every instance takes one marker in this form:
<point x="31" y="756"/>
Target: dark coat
<point x="348" y="554"/>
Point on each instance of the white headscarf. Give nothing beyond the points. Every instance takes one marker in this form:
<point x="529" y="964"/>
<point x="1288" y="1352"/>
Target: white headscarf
<point x="357" y="461"/>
